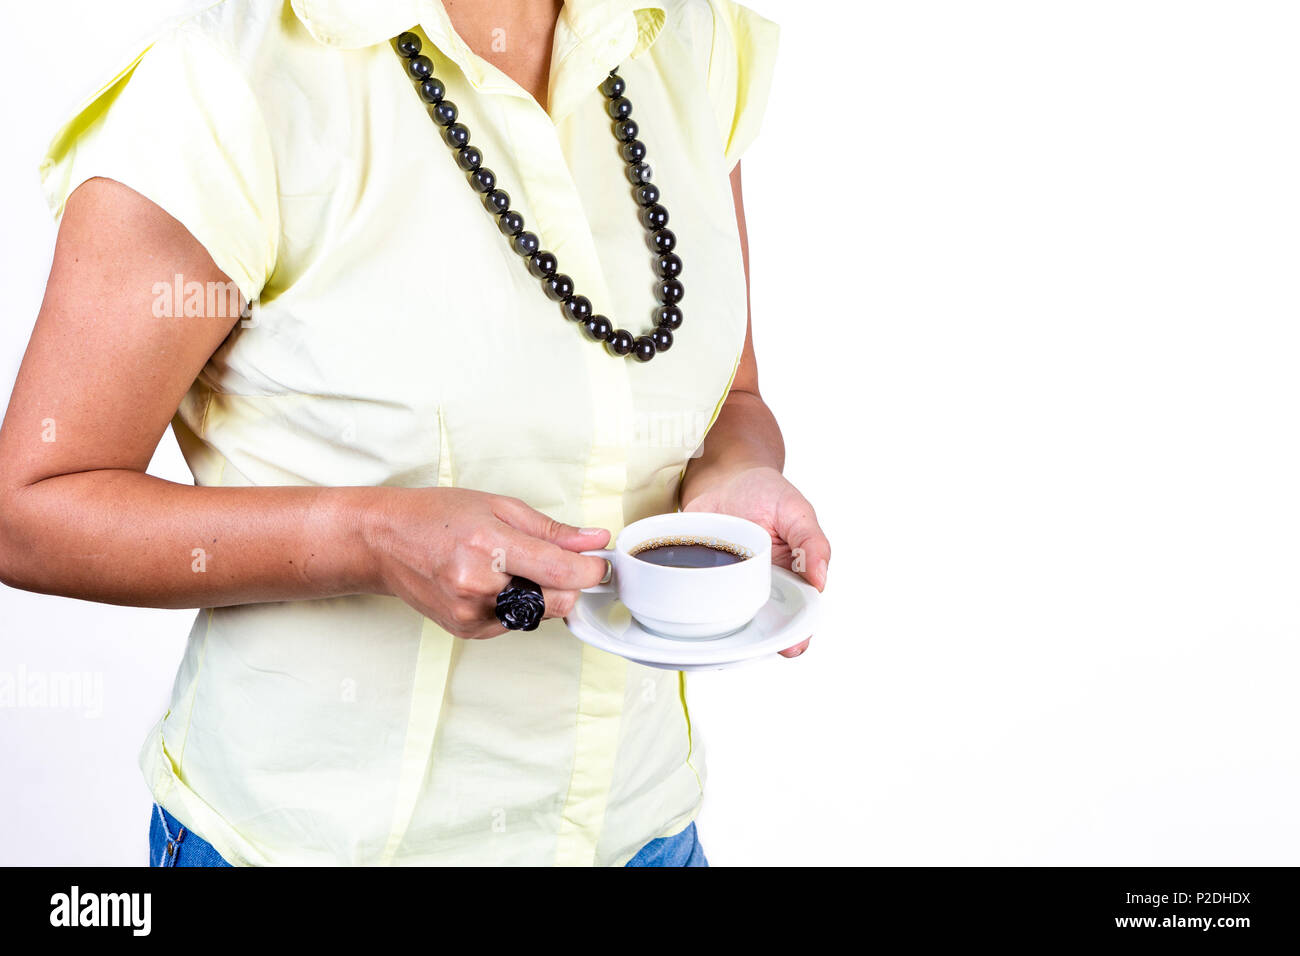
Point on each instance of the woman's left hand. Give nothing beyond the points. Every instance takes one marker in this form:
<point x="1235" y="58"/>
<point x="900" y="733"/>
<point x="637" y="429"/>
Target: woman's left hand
<point x="764" y="496"/>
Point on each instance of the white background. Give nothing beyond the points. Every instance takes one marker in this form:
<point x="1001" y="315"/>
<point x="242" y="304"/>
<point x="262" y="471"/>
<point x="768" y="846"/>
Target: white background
<point x="1025" y="301"/>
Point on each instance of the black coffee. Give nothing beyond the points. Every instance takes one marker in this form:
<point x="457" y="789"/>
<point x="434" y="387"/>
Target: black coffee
<point x="685" y="555"/>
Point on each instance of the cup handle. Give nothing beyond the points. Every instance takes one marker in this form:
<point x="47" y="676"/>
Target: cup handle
<point x="606" y="586"/>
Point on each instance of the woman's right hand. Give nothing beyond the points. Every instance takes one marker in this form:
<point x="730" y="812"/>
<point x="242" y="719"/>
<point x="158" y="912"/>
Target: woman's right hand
<point x="448" y="552"/>
<point x="81" y="517"/>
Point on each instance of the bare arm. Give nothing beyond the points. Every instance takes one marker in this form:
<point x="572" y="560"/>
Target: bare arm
<point x="101" y="379"/>
<point x="103" y="376"/>
<point x="746" y="434"/>
<point x="739" y="470"/>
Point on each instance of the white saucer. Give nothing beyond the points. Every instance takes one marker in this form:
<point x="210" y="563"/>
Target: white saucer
<point x="787" y="618"/>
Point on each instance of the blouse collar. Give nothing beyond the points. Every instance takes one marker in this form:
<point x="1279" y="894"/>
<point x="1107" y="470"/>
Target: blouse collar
<point x="591" y="37"/>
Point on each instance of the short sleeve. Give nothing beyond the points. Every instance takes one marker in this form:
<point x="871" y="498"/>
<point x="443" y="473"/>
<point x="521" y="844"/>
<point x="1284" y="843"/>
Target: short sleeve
<point x="741" y="61"/>
<point x="181" y="126"/>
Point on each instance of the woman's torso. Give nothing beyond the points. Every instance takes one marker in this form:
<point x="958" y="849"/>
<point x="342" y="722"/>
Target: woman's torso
<point x="398" y="341"/>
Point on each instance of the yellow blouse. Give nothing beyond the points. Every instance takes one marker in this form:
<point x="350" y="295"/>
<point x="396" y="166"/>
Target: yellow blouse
<point x="396" y="340"/>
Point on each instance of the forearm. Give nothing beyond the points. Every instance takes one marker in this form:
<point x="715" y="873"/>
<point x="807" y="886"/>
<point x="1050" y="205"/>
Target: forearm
<point x="746" y="435"/>
<point x="123" y="537"/>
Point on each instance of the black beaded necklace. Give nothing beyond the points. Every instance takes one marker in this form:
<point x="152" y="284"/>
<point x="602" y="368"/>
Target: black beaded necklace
<point x="555" y="284"/>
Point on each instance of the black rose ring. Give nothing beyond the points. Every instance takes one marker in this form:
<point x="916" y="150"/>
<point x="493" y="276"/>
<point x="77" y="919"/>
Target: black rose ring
<point x="520" y="605"/>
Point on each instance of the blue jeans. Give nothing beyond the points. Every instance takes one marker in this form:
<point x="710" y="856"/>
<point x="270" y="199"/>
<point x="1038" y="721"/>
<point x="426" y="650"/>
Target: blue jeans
<point x="171" y="843"/>
<point x="681" y="849"/>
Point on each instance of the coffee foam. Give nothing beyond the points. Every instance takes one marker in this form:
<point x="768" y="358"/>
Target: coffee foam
<point x="681" y="540"/>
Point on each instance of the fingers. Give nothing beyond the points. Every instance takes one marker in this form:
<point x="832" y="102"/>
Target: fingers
<point x="523" y="542"/>
<point x="550" y="565"/>
<point x="559" y="603"/>
<point x="797" y="526"/>
<point x="811" y="553"/>
<point x="533" y="523"/>
<point x="796" y="650"/>
<point x="482" y="632"/>
<point x="473" y="620"/>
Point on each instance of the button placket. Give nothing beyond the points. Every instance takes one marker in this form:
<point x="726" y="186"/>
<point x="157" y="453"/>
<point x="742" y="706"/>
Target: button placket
<point x="582" y="57"/>
<point x="557" y="211"/>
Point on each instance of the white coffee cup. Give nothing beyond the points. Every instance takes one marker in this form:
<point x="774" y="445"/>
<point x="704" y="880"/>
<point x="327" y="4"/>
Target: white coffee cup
<point x="690" y="602"/>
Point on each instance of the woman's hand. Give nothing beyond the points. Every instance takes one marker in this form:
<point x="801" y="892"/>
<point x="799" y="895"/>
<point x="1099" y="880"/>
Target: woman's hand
<point x="448" y="552"/>
<point x="764" y="496"/>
